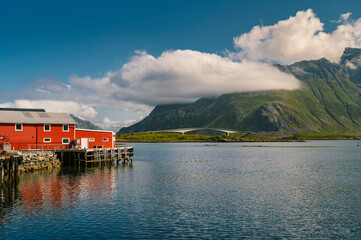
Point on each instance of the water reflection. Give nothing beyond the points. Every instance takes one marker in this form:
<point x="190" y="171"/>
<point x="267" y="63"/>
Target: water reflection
<point x="9" y="193"/>
<point x="53" y="190"/>
<point x="306" y="190"/>
<point x="69" y="183"/>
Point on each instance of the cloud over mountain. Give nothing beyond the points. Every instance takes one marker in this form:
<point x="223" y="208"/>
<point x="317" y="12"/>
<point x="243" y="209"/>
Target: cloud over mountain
<point x="300" y="37"/>
<point x="186" y="75"/>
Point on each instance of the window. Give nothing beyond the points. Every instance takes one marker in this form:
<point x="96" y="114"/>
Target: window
<point x="105" y="139"/>
<point x="65" y="128"/>
<point x="65" y="140"/>
<point x="18" y="127"/>
<point x="46" y="140"/>
<point x="91" y="139"/>
<point x="47" y="127"/>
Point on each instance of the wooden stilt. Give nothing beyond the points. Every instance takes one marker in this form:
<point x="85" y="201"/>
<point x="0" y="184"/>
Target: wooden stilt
<point x="96" y="156"/>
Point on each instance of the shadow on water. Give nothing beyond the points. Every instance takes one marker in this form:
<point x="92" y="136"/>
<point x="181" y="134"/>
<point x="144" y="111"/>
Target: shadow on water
<point x="93" y="168"/>
<point x="9" y="193"/>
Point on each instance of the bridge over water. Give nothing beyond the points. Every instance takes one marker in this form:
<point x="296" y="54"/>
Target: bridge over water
<point x="185" y="130"/>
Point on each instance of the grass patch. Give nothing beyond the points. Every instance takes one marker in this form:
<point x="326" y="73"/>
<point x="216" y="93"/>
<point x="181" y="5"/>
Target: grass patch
<point x="321" y="137"/>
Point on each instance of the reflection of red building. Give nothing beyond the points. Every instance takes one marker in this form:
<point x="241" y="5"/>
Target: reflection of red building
<point x="54" y="191"/>
<point x="32" y="194"/>
<point x="37" y="129"/>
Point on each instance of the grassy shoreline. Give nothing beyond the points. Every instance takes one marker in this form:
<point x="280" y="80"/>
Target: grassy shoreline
<point x="247" y="137"/>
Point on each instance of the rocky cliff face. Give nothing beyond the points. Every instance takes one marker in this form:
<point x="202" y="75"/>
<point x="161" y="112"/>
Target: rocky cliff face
<point x="329" y="101"/>
<point x="351" y="60"/>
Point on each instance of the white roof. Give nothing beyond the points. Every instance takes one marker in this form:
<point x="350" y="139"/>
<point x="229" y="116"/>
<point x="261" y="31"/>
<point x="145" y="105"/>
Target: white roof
<point x="93" y="130"/>
<point x="29" y="117"/>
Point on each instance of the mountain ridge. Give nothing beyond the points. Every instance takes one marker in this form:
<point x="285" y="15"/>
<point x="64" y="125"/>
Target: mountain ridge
<point x="85" y="124"/>
<point x="328" y="101"/>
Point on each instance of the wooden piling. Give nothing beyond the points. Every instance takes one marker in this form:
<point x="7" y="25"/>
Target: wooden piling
<point x="2" y="170"/>
<point x="9" y="166"/>
<point x="95" y="156"/>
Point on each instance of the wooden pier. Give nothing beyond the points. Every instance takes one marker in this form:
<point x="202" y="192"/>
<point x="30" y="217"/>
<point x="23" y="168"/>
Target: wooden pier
<point x="9" y="166"/>
<point x="95" y="155"/>
<point x="9" y="163"/>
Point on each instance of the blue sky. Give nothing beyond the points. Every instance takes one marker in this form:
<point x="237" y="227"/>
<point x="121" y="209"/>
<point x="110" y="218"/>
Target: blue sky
<point x="52" y="46"/>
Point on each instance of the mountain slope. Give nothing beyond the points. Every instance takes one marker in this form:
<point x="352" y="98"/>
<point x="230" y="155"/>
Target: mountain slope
<point x="329" y="101"/>
<point x="84" y="123"/>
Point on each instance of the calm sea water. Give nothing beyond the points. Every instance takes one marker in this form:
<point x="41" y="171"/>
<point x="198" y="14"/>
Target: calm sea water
<point x="298" y="190"/>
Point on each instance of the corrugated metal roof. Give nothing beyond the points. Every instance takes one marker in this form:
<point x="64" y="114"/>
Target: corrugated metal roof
<point x="35" y="117"/>
<point x="23" y="109"/>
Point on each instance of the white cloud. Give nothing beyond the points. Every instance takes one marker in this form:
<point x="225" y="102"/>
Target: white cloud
<point x="115" y="125"/>
<point x="81" y="110"/>
<point x="345" y="16"/>
<point x="186" y="75"/>
<point x="301" y="37"/>
<point x="107" y="123"/>
<point x="350" y="65"/>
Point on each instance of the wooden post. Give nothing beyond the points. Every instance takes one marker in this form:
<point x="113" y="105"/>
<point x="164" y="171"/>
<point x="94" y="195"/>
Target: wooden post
<point x="2" y="170"/>
<point x="11" y="165"/>
<point x="16" y="167"/>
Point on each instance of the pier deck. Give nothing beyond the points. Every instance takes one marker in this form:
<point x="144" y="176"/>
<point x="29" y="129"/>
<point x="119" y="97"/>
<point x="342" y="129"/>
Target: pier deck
<point x="95" y="155"/>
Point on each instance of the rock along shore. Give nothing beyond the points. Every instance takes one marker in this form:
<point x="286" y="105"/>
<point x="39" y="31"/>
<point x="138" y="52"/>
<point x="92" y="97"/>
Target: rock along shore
<point x="37" y="160"/>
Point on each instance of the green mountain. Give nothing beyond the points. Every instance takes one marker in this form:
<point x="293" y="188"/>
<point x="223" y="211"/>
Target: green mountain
<point x="328" y="102"/>
<point x="84" y="123"/>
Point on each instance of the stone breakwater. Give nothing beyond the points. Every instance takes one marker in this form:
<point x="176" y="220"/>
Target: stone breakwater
<point x="17" y="162"/>
<point x="38" y="160"/>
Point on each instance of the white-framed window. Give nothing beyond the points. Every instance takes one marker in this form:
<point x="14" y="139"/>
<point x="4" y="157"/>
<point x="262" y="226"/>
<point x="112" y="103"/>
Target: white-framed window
<point x="47" y="127"/>
<point x="65" y="128"/>
<point x="105" y="139"/>
<point x="46" y="140"/>
<point x="91" y="139"/>
<point x="18" y="126"/>
<point x="65" y="140"/>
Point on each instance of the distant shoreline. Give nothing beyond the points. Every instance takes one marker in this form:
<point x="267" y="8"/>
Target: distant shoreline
<point x="254" y="137"/>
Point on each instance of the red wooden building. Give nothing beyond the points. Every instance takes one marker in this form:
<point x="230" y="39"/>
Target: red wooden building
<point x="37" y="129"/>
<point x="95" y="138"/>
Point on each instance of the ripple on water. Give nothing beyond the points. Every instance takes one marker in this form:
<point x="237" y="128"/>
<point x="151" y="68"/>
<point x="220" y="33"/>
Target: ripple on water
<point x="238" y="190"/>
